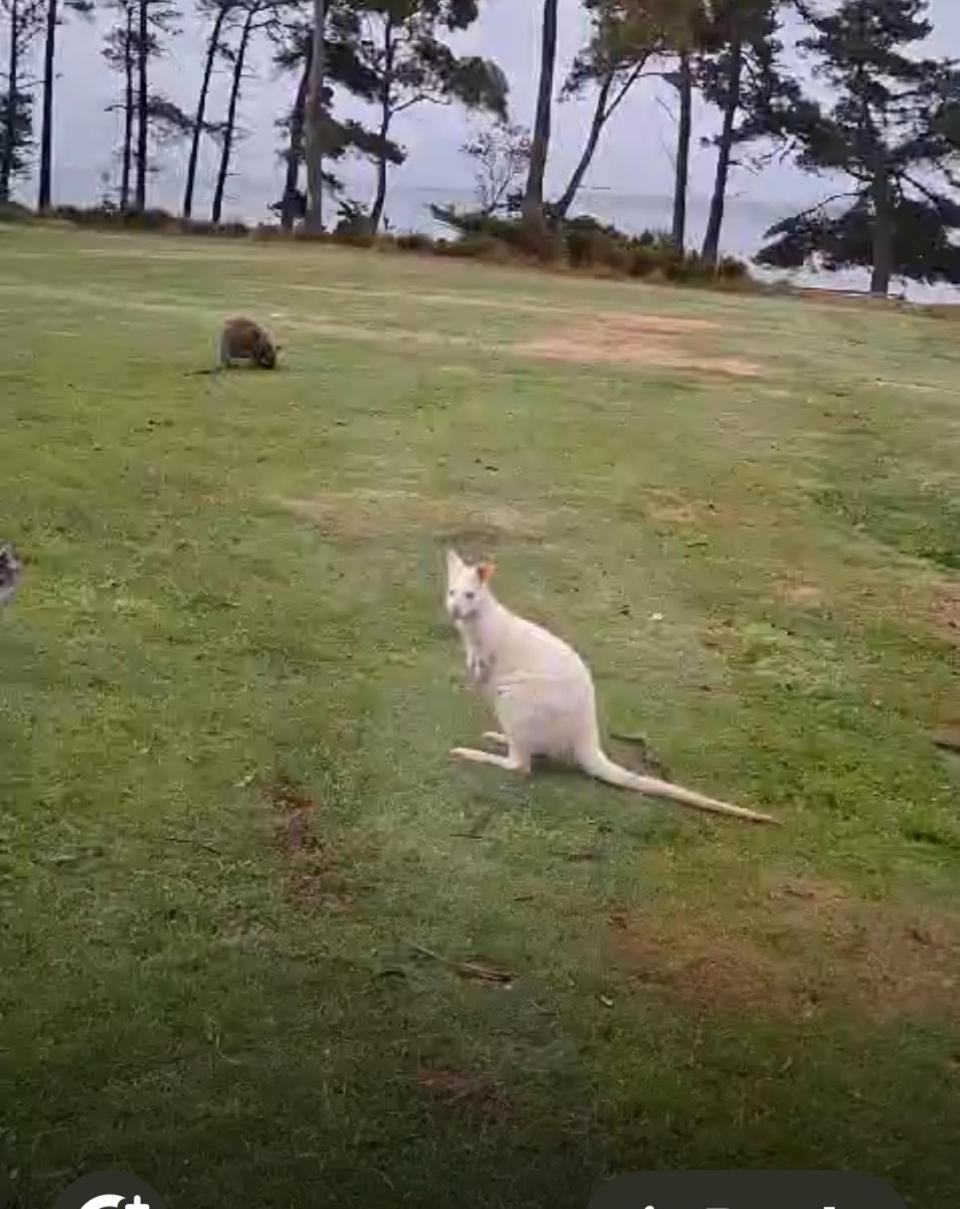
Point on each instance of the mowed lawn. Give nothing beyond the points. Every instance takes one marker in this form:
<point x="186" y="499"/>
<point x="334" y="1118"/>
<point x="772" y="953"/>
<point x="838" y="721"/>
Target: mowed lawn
<point x="241" y="881"/>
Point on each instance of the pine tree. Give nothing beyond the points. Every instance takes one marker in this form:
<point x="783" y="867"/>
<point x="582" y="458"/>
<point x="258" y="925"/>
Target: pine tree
<point x="404" y="49"/>
<point x="153" y="19"/>
<point x="894" y="131"/>
<point x="22" y="20"/>
<point x="221" y="14"/>
<point x="54" y="13"/>
<point x="630" y="39"/>
<point x="345" y="66"/>
<point x="542" y="123"/>
<point x="739" y="72"/>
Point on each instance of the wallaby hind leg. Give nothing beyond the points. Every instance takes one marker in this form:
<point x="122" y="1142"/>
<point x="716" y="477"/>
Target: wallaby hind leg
<point x="514" y="761"/>
<point x="496" y="736"/>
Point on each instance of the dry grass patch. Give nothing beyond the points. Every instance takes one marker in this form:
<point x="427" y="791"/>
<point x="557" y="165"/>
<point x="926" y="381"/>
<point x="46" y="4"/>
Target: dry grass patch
<point x="815" y="949"/>
<point x="314" y="880"/>
<point x="945" y="613"/>
<point x="656" y="340"/>
<point x="368" y="515"/>
<point x="798" y="593"/>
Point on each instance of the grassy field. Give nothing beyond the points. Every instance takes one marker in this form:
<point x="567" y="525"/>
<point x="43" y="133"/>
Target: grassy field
<point x="239" y="873"/>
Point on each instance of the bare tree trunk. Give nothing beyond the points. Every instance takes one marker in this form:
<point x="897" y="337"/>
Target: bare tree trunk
<point x="295" y="148"/>
<point x="127" y="110"/>
<point x="711" y="242"/>
<point x="46" y="130"/>
<point x="600" y="115"/>
<point x="315" y="121"/>
<point x="231" y="123"/>
<point x="212" y="47"/>
<point x="682" y="172"/>
<point x="882" y="234"/>
<point x="143" y="118"/>
<point x="10" y="118"/>
<point x="376" y="211"/>
<point x="533" y="195"/>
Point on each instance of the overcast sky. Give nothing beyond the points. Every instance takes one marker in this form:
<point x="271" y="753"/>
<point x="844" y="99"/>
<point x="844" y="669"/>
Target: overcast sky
<point x="635" y="157"/>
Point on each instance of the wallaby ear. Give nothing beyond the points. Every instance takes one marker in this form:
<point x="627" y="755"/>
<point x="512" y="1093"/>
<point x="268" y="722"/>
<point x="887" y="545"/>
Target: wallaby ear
<point x="454" y="562"/>
<point x="485" y="572"/>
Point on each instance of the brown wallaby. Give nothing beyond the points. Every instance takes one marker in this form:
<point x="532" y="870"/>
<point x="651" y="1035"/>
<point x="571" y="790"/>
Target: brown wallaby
<point x="243" y="340"/>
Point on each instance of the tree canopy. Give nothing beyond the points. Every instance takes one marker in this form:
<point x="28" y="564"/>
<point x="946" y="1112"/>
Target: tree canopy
<point x="892" y="129"/>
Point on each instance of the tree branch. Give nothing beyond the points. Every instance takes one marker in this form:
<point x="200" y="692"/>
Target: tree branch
<point x="631" y="79"/>
<point x="825" y="202"/>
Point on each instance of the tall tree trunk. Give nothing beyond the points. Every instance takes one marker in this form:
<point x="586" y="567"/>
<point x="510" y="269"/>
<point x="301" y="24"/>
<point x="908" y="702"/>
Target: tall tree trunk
<point x="882" y="233"/>
<point x="143" y="117"/>
<point x="600" y="116"/>
<point x="376" y="211"/>
<point x="201" y="113"/>
<point x="10" y="117"/>
<point x="127" y="110"/>
<point x="46" y="130"/>
<point x="711" y="242"/>
<point x="533" y="194"/>
<point x="290" y="202"/>
<point x="682" y="171"/>
<point x="231" y="122"/>
<point x="315" y="120"/>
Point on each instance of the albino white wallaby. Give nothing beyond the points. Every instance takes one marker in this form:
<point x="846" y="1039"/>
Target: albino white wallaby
<point x="541" y="692"/>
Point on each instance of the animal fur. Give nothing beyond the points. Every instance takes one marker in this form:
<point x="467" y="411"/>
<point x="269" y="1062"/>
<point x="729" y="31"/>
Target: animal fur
<point x="243" y="340"/>
<point x="10" y="567"/>
<point x="541" y="692"/>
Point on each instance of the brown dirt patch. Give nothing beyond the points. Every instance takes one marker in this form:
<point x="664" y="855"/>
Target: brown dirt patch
<point x="945" y="613"/>
<point x="637" y="340"/>
<point x="919" y="387"/>
<point x="660" y="325"/>
<point x="448" y="1089"/>
<point x="314" y="881"/>
<point x="676" y="514"/>
<point x="471" y="520"/>
<point x="796" y="592"/>
<point x="673" y="509"/>
<point x="814" y="949"/>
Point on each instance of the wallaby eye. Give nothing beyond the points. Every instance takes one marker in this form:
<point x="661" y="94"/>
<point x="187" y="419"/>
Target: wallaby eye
<point x="470" y="595"/>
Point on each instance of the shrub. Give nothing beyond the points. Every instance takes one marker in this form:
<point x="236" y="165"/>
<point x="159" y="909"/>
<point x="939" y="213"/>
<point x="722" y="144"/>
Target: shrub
<point x="11" y="211"/>
<point x="590" y="244"/>
<point x="354" y="226"/>
<point x="537" y="240"/>
<point x="644" y="260"/>
<point x="582" y="242"/>
<point x="148" y="220"/>
<point x="232" y="230"/>
<point x="732" y="269"/>
<point x="415" y="241"/>
<point x="475" y="247"/>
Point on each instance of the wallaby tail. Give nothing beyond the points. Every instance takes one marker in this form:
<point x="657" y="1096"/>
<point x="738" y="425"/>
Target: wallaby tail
<point x="596" y="764"/>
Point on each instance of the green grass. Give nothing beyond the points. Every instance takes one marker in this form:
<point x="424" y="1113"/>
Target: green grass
<point x="232" y="585"/>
